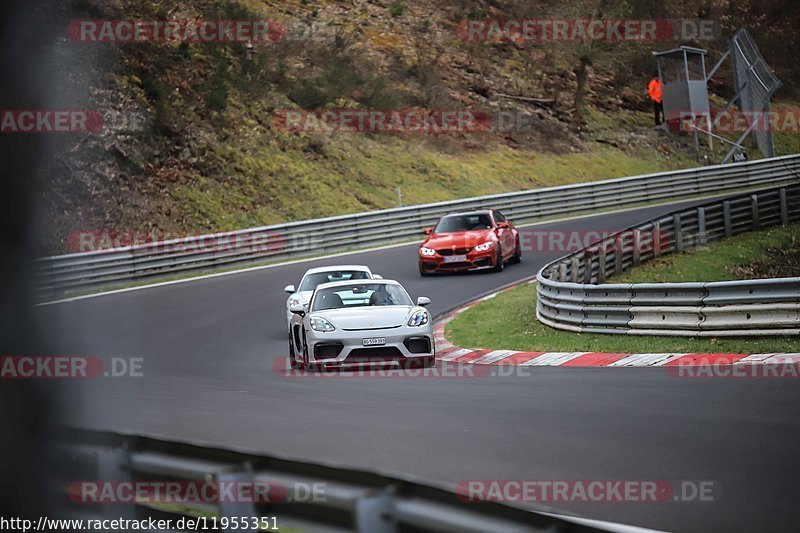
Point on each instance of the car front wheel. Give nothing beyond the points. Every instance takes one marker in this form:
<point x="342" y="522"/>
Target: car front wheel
<point x="293" y="362"/>
<point x="500" y="264"/>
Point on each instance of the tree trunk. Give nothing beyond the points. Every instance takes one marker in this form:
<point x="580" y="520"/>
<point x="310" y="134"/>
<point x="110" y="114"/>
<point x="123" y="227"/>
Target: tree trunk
<point x="581" y="73"/>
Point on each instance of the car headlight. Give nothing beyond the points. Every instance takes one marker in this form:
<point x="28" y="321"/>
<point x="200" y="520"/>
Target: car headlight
<point x="294" y="300"/>
<point x="485" y="246"/>
<point x="420" y="318"/>
<point x="427" y="251"/>
<point x="320" y="324"/>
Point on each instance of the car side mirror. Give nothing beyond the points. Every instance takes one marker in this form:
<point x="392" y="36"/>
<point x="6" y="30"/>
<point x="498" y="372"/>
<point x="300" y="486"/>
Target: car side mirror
<point x="377" y="276"/>
<point x="422" y="301"/>
<point x="427" y="231"/>
<point x="298" y="309"/>
<point x="502" y="225"/>
<point x="290" y="289"/>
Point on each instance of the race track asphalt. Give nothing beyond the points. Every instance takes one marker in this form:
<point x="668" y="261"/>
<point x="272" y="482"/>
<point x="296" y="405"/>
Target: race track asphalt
<point x="208" y="348"/>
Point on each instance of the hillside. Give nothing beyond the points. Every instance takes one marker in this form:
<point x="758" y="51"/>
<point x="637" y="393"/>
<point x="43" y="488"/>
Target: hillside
<point x="191" y="142"/>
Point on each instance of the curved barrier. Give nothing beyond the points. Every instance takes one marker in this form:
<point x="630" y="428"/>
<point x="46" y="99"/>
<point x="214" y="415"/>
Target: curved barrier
<point x="82" y="271"/>
<point x="200" y="489"/>
<point x="572" y="294"/>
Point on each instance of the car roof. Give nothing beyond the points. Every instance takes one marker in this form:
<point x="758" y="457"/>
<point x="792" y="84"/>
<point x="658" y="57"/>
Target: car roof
<point x="336" y="268"/>
<point x="357" y="282"/>
<point x="472" y="212"/>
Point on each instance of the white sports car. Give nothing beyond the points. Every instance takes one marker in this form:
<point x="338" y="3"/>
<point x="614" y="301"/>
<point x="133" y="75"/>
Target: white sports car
<point x="358" y="322"/>
<point x="314" y="276"/>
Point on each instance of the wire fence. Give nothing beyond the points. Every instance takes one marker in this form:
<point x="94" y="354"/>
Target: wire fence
<point x="756" y="84"/>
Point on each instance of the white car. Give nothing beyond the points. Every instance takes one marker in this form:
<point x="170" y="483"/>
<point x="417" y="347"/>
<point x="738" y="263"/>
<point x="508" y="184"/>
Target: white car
<point x="302" y="293"/>
<point x="361" y="322"/>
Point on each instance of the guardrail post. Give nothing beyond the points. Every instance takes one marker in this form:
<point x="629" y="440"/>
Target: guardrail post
<point x="726" y="217"/>
<point x="113" y="465"/>
<point x="618" y="255"/>
<point x="562" y="272"/>
<point x="784" y="207"/>
<point x="637" y="244"/>
<point x="676" y="222"/>
<point x="574" y="269"/>
<point x="587" y="269"/>
<point x="656" y="239"/>
<point x="701" y="225"/>
<point x="236" y="509"/>
<point x="754" y="209"/>
<point x="376" y="513"/>
<point x="601" y="261"/>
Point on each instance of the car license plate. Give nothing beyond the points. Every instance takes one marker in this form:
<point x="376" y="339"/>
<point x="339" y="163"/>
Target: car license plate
<point x="378" y="341"/>
<point x="455" y="259"/>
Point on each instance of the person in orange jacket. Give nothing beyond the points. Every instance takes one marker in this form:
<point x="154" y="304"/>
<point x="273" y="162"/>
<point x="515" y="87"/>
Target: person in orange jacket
<point x="654" y="90"/>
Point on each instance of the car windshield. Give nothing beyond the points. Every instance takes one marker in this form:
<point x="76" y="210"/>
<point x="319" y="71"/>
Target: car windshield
<point x="455" y="223"/>
<point x="311" y="281"/>
<point x="360" y="295"/>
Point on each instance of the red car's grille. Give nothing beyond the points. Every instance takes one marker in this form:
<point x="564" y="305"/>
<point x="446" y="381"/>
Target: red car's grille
<point x="450" y="251"/>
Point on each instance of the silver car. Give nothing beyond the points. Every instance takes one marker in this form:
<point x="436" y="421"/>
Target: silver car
<point x="314" y="276"/>
<point x="361" y="322"/>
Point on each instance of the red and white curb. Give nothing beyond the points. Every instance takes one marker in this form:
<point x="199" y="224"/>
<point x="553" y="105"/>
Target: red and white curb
<point x="446" y="351"/>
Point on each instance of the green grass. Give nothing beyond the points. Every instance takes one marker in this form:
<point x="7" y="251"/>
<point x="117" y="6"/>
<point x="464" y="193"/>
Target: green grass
<point x="719" y="261"/>
<point x="508" y="321"/>
<point x="282" y="181"/>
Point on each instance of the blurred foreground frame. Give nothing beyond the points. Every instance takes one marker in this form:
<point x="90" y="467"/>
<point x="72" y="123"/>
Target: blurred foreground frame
<point x="27" y="406"/>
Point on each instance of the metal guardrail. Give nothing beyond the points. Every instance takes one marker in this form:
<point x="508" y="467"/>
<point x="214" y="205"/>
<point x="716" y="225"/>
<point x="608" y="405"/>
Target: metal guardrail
<point x="572" y="294"/>
<point x="62" y="274"/>
<point x="106" y="476"/>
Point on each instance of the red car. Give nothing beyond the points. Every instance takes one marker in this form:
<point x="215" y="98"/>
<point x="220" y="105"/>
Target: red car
<point x="469" y="240"/>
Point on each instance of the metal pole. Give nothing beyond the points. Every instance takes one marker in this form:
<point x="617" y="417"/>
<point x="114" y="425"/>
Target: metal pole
<point x="719" y="64"/>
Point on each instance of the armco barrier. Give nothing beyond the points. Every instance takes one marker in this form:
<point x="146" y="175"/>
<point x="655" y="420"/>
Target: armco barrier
<point x="289" y="495"/>
<point x="82" y="271"/>
<point x="572" y="294"/>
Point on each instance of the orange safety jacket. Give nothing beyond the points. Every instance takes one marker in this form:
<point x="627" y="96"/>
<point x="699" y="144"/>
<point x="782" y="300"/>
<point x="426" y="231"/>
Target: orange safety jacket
<point x="654" y="89"/>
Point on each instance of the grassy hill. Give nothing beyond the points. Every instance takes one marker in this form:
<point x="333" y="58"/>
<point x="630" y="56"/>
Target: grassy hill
<point x="191" y="143"/>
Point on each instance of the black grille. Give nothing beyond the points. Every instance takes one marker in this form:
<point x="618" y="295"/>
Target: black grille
<point x="368" y="355"/>
<point x="328" y="350"/>
<point x="453" y="266"/>
<point x="418" y="344"/>
<point x="457" y="251"/>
